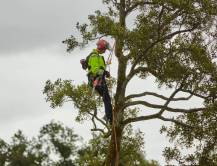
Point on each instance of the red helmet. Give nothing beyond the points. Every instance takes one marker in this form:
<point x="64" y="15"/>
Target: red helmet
<point x="102" y="45"/>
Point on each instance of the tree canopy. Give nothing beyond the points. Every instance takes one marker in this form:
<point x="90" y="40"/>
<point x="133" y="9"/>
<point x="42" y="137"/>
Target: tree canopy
<point x="173" y="41"/>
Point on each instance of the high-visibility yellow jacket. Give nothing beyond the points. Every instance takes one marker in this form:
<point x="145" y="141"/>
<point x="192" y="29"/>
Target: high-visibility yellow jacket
<point x="95" y="63"/>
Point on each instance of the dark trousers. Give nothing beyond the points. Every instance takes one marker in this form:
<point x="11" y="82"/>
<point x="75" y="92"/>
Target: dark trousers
<point x="102" y="89"/>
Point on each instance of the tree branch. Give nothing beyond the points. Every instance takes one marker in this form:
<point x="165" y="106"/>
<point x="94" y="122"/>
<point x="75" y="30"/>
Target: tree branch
<point x="140" y="118"/>
<point x="163" y="107"/>
<point x="170" y="99"/>
<point x="193" y="93"/>
<point x="97" y="129"/>
<point x="169" y="36"/>
<point x="159" y="20"/>
<point x="132" y="73"/>
<point x="94" y="115"/>
<point x="135" y="5"/>
<point x="174" y="121"/>
<point x="156" y="95"/>
<point x="138" y="70"/>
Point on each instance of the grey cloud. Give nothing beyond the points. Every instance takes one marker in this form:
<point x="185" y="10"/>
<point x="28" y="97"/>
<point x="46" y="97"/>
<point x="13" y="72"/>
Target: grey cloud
<point x="23" y="78"/>
<point x="29" y="24"/>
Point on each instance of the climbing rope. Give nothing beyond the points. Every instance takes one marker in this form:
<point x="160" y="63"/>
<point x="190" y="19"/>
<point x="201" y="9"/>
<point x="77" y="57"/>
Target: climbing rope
<point x="108" y="62"/>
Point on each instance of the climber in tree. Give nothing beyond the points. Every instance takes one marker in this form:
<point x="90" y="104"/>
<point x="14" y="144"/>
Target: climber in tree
<point x="96" y="66"/>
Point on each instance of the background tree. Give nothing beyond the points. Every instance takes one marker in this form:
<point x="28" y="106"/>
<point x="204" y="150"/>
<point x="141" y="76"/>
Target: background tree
<point x="59" y="141"/>
<point x="200" y="138"/>
<point x="173" y="41"/>
<point x="21" y="152"/>
<point x="132" y="153"/>
<point x="57" y="145"/>
<point x="3" y="152"/>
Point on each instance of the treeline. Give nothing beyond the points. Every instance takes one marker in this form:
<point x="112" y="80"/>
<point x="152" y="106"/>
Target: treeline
<point x="58" y="145"/>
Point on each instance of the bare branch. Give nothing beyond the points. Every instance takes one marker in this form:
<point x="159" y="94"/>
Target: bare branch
<point x="156" y="95"/>
<point x="94" y="124"/>
<point x="100" y="130"/>
<point x="170" y="99"/>
<point x="153" y="115"/>
<point x="163" y="107"/>
<point x="140" y="118"/>
<point x="94" y="115"/>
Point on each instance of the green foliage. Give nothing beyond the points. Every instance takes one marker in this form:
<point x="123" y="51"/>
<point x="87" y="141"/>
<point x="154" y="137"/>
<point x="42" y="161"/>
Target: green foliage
<point x="56" y="145"/>
<point x="170" y="58"/>
<point x="175" y="42"/>
<point x="71" y="43"/>
<point x="132" y="152"/>
<point x="60" y="92"/>
<point x="60" y="139"/>
<point x="3" y="152"/>
<point x="157" y="39"/>
<point x="201" y="136"/>
<point x="94" y="152"/>
<point x="23" y="152"/>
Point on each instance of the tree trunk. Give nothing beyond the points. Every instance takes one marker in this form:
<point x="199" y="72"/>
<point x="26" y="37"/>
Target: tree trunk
<point x="113" y="156"/>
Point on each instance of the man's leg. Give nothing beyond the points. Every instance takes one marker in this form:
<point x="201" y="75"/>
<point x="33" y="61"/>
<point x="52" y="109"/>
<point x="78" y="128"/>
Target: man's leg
<point x="103" y="91"/>
<point x="107" y="102"/>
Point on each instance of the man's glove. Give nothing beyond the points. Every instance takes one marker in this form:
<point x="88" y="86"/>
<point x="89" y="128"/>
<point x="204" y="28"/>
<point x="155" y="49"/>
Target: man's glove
<point x="107" y="74"/>
<point x="83" y="64"/>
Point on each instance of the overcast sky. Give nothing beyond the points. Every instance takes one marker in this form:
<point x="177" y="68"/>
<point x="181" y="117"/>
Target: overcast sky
<point x="31" y="52"/>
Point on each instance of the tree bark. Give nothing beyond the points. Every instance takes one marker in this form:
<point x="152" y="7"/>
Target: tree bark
<point x="113" y="157"/>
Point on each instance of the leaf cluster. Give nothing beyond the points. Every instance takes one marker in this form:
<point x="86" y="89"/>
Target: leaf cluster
<point x="201" y="135"/>
<point x="62" y="91"/>
<point x="132" y="151"/>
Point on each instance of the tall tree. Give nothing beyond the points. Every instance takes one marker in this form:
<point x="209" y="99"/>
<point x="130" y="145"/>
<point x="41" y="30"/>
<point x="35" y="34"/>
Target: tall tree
<point x="173" y="41"/>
